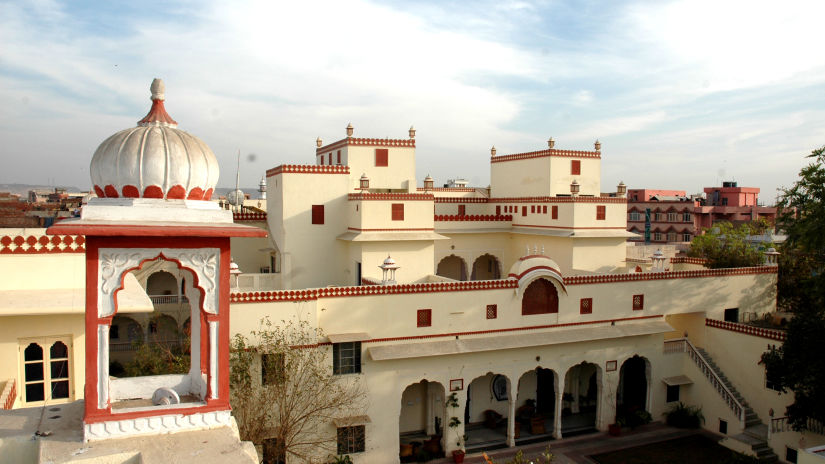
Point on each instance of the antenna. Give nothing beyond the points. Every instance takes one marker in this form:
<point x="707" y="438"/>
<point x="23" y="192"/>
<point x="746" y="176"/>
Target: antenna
<point x="238" y="171"/>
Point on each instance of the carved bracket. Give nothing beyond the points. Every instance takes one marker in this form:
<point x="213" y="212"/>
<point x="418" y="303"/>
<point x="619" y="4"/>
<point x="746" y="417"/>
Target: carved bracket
<point x="115" y="262"/>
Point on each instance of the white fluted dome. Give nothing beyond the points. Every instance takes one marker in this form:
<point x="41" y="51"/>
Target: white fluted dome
<point x="154" y="159"/>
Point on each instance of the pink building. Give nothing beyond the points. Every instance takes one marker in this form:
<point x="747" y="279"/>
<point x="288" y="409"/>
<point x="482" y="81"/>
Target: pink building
<point x="676" y="218"/>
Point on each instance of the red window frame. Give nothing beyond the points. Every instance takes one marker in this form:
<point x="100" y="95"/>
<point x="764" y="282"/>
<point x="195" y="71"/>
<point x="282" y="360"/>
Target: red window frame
<point x="532" y="209"/>
<point x="492" y="311"/>
<point x="575" y="167"/>
<point x="462" y="210"/>
<point x="524" y="211"/>
<point x="586" y="306"/>
<point x="601" y="212"/>
<point x="317" y="214"/>
<point x="544" y="209"/>
<point x="555" y="212"/>
<point x="339" y="156"/>
<point x="330" y="159"/>
<point x="382" y="157"/>
<point x="321" y="161"/>
<point x="424" y="318"/>
<point x="398" y="211"/>
<point x="498" y="210"/>
<point x="638" y="302"/>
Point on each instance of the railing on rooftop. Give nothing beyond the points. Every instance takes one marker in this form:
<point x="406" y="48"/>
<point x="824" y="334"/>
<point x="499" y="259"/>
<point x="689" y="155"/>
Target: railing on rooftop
<point x="773" y="334"/>
<point x="168" y="299"/>
<point x="683" y="345"/>
<point x="783" y="424"/>
<point x="133" y="345"/>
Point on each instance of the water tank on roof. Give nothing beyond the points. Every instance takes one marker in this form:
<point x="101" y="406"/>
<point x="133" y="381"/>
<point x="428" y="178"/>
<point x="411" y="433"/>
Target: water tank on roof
<point x="729" y="184"/>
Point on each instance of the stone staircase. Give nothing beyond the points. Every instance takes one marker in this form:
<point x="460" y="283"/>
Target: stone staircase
<point x="756" y="432"/>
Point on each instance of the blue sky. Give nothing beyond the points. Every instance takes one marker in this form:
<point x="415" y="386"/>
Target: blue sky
<point x="682" y="94"/>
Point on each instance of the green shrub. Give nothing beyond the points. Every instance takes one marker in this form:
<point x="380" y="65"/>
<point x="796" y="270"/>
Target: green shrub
<point x="684" y="416"/>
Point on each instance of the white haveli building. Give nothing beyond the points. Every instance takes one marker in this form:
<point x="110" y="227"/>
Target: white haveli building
<point x="516" y="301"/>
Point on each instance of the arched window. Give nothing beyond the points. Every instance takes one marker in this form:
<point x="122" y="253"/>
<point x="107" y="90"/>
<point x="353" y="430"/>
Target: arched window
<point x="46" y="372"/>
<point x="540" y="297"/>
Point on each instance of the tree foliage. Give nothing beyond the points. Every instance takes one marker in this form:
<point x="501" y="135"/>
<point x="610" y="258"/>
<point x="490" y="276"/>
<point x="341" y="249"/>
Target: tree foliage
<point x="283" y="391"/>
<point x="798" y="364"/>
<point x="726" y="245"/>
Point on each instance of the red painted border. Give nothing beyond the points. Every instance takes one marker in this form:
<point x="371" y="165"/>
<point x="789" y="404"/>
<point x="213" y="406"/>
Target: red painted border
<point x="39" y="244"/>
<point x="448" y="189"/>
<point x="460" y="200"/>
<point x="423" y="229"/>
<point x="688" y="260"/>
<point x="240" y="217"/>
<point x="772" y="334"/>
<point x="547" y="199"/>
<point x="552" y="152"/>
<point x="12" y="395"/>
<point x="307" y="169"/>
<point x="389" y="196"/>
<point x="366" y="142"/>
<point x="534" y="268"/>
<point x="568" y="228"/>
<point x="135" y="230"/>
<point x="472" y="217"/>
<point x="610" y="278"/>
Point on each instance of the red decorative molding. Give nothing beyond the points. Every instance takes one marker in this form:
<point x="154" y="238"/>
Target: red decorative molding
<point x="610" y="278"/>
<point x="473" y="217"/>
<point x="306" y="169"/>
<point x="389" y="196"/>
<point x="567" y="228"/>
<point x="557" y="200"/>
<point x="534" y="268"/>
<point x="35" y="244"/>
<point x="332" y="292"/>
<point x="422" y="229"/>
<point x="460" y="200"/>
<point x="249" y="217"/>
<point x="366" y="142"/>
<point x="368" y="281"/>
<point x="547" y="153"/>
<point x="448" y="189"/>
<point x="157" y="114"/>
<point x="772" y="334"/>
<point x="688" y="260"/>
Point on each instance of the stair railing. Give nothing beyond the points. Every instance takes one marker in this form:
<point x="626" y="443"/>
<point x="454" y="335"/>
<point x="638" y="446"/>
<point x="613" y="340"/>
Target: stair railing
<point x="684" y="345"/>
<point x="783" y="424"/>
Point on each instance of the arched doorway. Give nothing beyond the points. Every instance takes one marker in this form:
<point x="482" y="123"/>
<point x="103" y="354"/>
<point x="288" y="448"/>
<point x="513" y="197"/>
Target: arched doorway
<point x="452" y="267"/>
<point x="161" y="283"/>
<point x="124" y="337"/>
<point x="421" y="421"/>
<point x="540" y="297"/>
<point x="632" y="391"/>
<point x="486" y="267"/>
<point x="486" y="412"/>
<point x="536" y="405"/>
<point x="580" y="400"/>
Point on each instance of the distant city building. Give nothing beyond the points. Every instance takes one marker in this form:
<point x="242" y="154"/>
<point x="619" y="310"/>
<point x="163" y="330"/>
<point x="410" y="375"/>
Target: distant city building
<point x="676" y="217"/>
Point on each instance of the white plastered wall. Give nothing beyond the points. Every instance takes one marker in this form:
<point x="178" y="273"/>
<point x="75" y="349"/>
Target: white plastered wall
<point x="399" y="174"/>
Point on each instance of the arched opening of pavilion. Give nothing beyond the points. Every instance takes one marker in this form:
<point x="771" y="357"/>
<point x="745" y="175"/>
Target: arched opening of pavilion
<point x="487" y="412"/>
<point x="486" y="267"/>
<point x="540" y="297"/>
<point x="536" y="405"/>
<point x="580" y="399"/>
<point x="632" y="392"/>
<point x="452" y="267"/>
<point x="421" y="421"/>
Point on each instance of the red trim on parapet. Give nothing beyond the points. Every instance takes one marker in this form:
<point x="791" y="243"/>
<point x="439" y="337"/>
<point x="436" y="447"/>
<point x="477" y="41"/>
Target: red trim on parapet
<point x="423" y="229"/>
<point x="548" y="199"/>
<point x="390" y="196"/>
<point x="34" y="244"/>
<point x="239" y="217"/>
<point x="534" y="268"/>
<point x="567" y="228"/>
<point x="307" y="169"/>
<point x="366" y="142"/>
<point x="547" y="153"/>
<point x="12" y="395"/>
<point x="473" y="217"/>
<point x="688" y="260"/>
<point x="610" y="278"/>
<point x="332" y="292"/>
<point x="447" y="189"/>
<point x="772" y="334"/>
<point x="229" y="230"/>
<point x="460" y="200"/>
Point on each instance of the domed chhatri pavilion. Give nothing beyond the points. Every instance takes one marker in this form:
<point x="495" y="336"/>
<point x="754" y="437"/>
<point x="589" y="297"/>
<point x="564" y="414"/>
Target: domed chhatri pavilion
<point x="154" y="182"/>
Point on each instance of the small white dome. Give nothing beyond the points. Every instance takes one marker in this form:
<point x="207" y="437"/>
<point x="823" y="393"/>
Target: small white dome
<point x="154" y="159"/>
<point x="235" y="197"/>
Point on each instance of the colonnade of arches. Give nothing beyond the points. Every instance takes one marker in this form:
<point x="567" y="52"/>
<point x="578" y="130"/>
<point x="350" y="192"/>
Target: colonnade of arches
<point x="541" y="404"/>
<point x="485" y="267"/>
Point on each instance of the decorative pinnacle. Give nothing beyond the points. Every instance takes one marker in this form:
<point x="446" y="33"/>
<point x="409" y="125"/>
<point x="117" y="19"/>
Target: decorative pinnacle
<point x="319" y="142"/>
<point x="158" y="89"/>
<point x="349" y="130"/>
<point x="598" y="145"/>
<point x="493" y="150"/>
<point x="551" y="143"/>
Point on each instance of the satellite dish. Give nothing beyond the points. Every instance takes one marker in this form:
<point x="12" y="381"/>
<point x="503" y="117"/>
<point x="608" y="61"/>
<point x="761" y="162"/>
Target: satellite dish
<point x="164" y="396"/>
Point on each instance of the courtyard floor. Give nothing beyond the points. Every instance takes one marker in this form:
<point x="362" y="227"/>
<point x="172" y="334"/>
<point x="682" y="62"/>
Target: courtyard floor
<point x="580" y="449"/>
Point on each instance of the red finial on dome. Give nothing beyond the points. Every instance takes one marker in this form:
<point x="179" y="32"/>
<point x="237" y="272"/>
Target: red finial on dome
<point x="157" y="114"/>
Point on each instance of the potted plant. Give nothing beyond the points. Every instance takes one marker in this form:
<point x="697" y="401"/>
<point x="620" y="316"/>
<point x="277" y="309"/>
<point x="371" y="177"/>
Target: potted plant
<point x="458" y="455"/>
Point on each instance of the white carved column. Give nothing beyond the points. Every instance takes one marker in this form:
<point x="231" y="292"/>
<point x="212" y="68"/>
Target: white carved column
<point x="511" y="419"/>
<point x="557" y="412"/>
<point x="102" y="366"/>
<point x="213" y="358"/>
